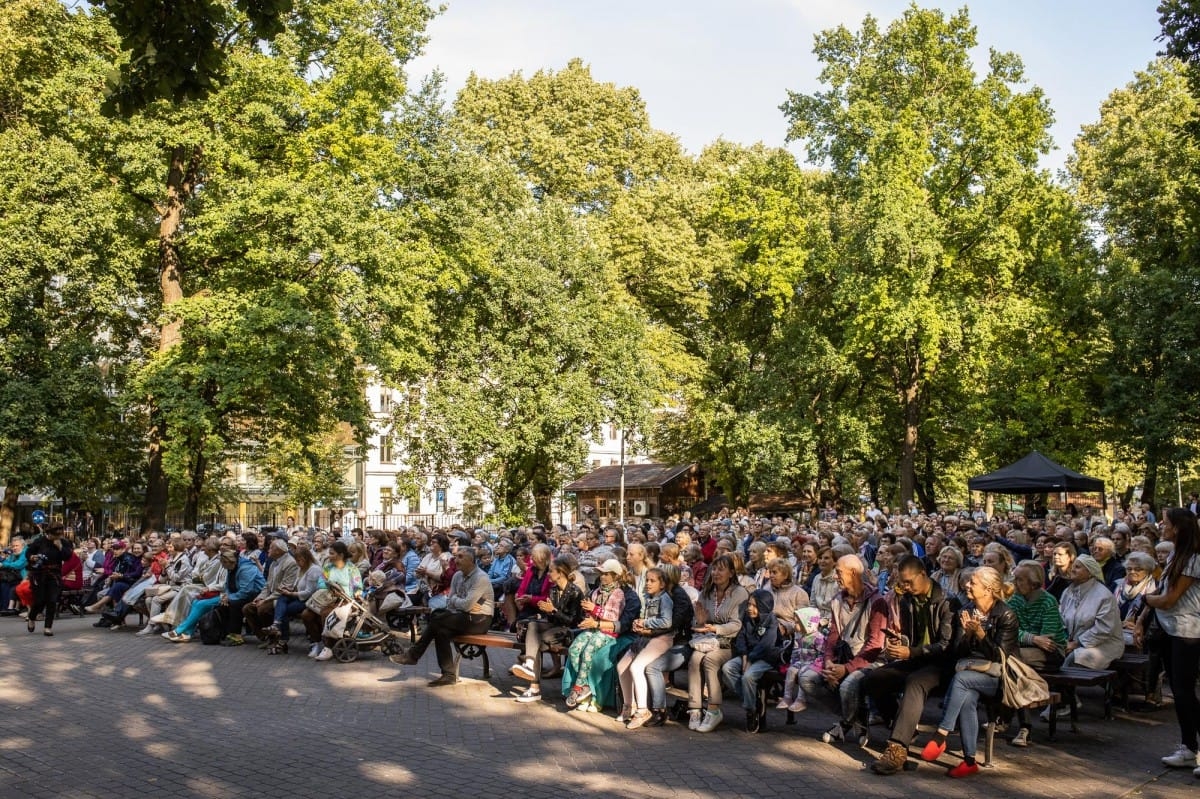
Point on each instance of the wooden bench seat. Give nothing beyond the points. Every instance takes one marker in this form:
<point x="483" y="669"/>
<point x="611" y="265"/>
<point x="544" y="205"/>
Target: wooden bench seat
<point x="1067" y="680"/>
<point x="476" y="646"/>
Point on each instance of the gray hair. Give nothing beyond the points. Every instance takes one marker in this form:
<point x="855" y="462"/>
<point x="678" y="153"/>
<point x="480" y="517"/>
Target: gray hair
<point x="1141" y="560"/>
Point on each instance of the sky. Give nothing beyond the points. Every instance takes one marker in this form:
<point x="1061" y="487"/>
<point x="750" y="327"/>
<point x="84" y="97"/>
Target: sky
<point x="710" y="69"/>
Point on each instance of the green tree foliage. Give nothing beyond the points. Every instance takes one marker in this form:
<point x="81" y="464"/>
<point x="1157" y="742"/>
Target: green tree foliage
<point x="65" y="294"/>
<point x="934" y="197"/>
<point x="1136" y="172"/>
<point x="537" y="347"/>
<point x="176" y="49"/>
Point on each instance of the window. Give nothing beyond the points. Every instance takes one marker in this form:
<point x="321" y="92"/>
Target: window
<point x="595" y="463"/>
<point x="385" y="401"/>
<point x="440" y="502"/>
<point x="386" y="499"/>
<point x="385" y="450"/>
<point x="602" y="508"/>
<point x="414" y="500"/>
<point x="612" y="432"/>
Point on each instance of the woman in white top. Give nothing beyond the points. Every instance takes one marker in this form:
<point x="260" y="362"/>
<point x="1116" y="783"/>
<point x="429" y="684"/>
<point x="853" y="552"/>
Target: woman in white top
<point x="1177" y="606"/>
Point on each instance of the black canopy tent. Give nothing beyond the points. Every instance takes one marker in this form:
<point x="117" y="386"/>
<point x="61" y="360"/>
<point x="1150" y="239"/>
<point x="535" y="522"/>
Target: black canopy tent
<point x="1035" y="474"/>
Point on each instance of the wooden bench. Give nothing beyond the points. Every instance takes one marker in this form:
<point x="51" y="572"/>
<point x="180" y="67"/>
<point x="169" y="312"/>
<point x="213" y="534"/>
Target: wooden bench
<point x="476" y="646"/>
<point x="1070" y="678"/>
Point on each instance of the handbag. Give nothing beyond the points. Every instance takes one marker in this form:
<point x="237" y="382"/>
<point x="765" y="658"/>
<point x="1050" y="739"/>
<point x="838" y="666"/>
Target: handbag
<point x="320" y="599"/>
<point x="1020" y="685"/>
<point x="705" y="642"/>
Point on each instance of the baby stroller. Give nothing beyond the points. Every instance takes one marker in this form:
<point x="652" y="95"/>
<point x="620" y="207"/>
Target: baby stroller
<point x="352" y="628"/>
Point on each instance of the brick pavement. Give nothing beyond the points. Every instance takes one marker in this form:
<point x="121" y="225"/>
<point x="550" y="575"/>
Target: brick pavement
<point x="93" y="713"/>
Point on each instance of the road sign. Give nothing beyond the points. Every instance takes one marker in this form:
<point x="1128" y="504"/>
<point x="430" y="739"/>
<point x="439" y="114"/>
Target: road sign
<point x="39" y="516"/>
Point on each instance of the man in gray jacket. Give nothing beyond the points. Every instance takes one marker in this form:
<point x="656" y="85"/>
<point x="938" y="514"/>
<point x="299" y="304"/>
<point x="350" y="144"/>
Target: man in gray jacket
<point x="468" y="611"/>
<point x="283" y="572"/>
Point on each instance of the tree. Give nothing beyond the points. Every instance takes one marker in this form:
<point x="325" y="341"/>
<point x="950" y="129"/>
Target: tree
<point x="65" y="294"/>
<point x="1136" y="172"/>
<point x="287" y="260"/>
<point x="538" y="346"/>
<point x="932" y="180"/>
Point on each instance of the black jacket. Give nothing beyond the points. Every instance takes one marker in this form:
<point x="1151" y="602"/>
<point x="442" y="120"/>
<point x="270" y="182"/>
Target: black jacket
<point x="1001" y="629"/>
<point x="567" y="610"/>
<point x="943" y="612"/>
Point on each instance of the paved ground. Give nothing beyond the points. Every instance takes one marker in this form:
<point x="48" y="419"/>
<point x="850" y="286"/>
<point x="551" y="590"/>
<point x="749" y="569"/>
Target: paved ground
<point x="94" y="713"/>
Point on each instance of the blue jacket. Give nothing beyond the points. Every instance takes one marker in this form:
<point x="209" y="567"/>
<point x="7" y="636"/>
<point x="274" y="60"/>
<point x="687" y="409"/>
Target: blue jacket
<point x="501" y="569"/>
<point x="245" y="581"/>
<point x="15" y="562"/>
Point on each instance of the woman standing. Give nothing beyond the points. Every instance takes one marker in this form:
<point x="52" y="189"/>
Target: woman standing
<point x="1177" y="607"/>
<point x="45" y="557"/>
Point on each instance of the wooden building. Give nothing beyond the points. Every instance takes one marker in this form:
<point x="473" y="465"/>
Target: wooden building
<point x="652" y="490"/>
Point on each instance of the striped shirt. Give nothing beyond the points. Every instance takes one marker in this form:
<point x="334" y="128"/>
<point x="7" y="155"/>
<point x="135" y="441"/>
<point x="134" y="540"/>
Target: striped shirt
<point x="1040" y="617"/>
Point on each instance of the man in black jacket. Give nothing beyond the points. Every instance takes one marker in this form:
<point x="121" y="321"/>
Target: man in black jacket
<point x="918" y="650"/>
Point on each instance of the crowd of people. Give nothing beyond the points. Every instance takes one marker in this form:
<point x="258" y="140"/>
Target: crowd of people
<point x="867" y="617"/>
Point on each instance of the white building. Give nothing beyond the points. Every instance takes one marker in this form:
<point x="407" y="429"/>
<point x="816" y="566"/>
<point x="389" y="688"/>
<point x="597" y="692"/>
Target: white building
<point x="444" y="499"/>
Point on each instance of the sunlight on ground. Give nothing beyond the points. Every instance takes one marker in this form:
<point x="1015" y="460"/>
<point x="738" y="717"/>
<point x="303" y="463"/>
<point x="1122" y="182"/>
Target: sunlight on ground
<point x="162" y="750"/>
<point x="196" y="678"/>
<point x="135" y="726"/>
<point x="388" y="773"/>
<point x="15" y="744"/>
<point x="13" y="690"/>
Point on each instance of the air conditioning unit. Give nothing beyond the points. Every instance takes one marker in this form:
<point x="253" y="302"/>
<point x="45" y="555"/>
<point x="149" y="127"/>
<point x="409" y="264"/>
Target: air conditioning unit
<point x="640" y="507"/>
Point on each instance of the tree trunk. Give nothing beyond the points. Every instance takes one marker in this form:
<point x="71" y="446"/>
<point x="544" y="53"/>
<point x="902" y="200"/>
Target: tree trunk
<point x="191" y="505"/>
<point x="181" y="181"/>
<point x="1150" y="479"/>
<point x="908" y="450"/>
<point x="8" y="512"/>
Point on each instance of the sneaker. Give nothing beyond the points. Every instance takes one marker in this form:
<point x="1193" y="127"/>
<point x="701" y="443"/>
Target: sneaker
<point x="147" y="630"/>
<point x="657" y="719"/>
<point x="169" y="634"/>
<point x="799" y="706"/>
<point x="782" y="704"/>
<point x="694" y="718"/>
<point x="933" y="750"/>
<point x="574" y="696"/>
<point x="963" y="769"/>
<point x="712" y="718"/>
<point x="524" y="670"/>
<point x="314" y="650"/>
<point x="892" y="760"/>
<point x="404" y="658"/>
<point x="237" y="640"/>
<point x="834" y="735"/>
<point x="1182" y="758"/>
<point x="180" y="638"/>
<point x="638" y="719"/>
<point x="590" y="706"/>
<point x="582" y="694"/>
<point x="529" y="696"/>
<point x="325" y="654"/>
<point x="625" y="715"/>
<point x="158" y="618"/>
<point x="1021" y="738"/>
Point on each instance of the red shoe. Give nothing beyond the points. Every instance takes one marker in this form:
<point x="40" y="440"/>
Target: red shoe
<point x="933" y="750"/>
<point x="963" y="770"/>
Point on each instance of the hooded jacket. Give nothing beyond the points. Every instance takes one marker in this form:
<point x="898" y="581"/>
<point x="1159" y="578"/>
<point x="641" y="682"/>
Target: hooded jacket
<point x="758" y="638"/>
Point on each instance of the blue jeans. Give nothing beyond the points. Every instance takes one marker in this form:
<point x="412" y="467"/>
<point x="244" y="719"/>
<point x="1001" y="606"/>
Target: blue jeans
<point x="849" y="692"/>
<point x="287" y="608"/>
<point x="744" y="683"/>
<point x="199" y="608"/>
<point x="962" y="705"/>
<point x="675" y="658"/>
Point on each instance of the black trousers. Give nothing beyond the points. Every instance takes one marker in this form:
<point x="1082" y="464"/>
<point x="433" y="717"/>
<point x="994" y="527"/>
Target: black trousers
<point x="46" y="590"/>
<point x="443" y="626"/>
<point x="916" y="680"/>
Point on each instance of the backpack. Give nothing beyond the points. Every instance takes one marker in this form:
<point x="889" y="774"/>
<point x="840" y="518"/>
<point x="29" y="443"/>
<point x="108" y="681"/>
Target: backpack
<point x="211" y="627"/>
